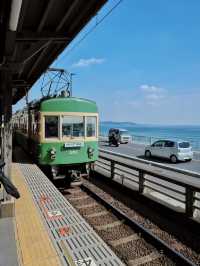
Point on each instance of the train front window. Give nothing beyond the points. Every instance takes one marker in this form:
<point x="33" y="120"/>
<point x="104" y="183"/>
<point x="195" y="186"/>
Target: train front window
<point x="91" y="126"/>
<point x="51" y="126"/>
<point x="73" y="126"/>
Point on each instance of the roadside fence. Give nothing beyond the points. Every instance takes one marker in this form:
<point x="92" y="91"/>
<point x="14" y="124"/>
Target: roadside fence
<point x="175" y="188"/>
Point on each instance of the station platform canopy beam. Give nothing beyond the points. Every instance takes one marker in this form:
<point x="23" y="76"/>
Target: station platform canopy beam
<point x="32" y="35"/>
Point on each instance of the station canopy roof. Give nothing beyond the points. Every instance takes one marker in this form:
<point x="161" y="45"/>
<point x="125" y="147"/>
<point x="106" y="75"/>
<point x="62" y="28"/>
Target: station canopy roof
<point x="34" y="32"/>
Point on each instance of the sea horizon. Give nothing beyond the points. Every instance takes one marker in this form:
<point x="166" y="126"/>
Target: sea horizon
<point x="151" y="132"/>
<point x="145" y="124"/>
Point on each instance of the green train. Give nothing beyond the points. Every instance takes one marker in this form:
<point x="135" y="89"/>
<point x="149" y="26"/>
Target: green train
<point x="61" y="133"/>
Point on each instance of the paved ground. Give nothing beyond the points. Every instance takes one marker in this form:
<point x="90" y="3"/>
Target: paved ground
<point x="8" y="250"/>
<point x="138" y="151"/>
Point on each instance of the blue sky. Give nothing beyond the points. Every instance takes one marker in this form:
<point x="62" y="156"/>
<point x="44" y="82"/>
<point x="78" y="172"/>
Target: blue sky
<point x="141" y="64"/>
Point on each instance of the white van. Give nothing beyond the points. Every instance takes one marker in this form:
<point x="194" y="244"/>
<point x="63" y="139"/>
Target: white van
<point x="170" y="149"/>
<point x="125" y="137"/>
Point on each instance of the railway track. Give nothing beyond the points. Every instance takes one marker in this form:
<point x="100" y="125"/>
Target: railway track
<point x="131" y="241"/>
<point x="134" y="239"/>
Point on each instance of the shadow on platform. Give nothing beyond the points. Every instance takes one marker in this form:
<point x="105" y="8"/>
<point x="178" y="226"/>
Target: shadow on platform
<point x="19" y="156"/>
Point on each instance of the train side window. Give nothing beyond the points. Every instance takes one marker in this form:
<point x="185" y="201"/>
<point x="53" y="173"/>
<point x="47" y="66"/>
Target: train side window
<point x="51" y="126"/>
<point x="91" y="122"/>
<point x="73" y="126"/>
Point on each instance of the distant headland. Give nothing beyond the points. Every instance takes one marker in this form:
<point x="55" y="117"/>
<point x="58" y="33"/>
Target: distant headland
<point x="118" y="122"/>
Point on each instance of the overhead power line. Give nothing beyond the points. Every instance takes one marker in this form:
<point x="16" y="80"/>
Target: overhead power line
<point x="98" y="22"/>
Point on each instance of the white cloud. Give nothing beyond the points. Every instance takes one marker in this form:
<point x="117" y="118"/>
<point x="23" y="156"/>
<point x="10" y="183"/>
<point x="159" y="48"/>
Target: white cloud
<point x="134" y="104"/>
<point x="90" y="61"/>
<point x="153" y="94"/>
<point x="151" y="89"/>
<point x="116" y="103"/>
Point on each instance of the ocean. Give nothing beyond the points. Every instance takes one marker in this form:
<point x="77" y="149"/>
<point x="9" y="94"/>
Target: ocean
<point x="148" y="133"/>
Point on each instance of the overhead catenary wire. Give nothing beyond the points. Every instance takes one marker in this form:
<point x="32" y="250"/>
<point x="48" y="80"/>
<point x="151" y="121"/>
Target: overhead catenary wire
<point x="98" y="22"/>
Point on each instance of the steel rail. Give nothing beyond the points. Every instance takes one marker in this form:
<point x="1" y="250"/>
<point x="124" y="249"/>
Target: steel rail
<point x="148" y="236"/>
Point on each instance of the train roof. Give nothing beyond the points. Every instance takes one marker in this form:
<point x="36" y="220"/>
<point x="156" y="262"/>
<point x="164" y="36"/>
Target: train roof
<point x="68" y="104"/>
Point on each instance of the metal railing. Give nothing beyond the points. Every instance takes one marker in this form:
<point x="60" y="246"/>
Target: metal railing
<point x="175" y="188"/>
<point x="148" y="140"/>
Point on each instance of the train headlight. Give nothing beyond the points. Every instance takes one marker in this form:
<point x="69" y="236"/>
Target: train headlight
<point x="90" y="152"/>
<point x="52" y="153"/>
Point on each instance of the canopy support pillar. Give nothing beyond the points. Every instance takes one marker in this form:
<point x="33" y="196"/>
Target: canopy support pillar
<point x="5" y="121"/>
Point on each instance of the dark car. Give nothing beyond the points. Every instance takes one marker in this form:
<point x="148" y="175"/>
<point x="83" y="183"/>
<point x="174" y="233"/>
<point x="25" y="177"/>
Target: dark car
<point x="114" y="137"/>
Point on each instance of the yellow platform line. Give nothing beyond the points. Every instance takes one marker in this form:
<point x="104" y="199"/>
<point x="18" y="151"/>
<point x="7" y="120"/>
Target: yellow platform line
<point x="33" y="242"/>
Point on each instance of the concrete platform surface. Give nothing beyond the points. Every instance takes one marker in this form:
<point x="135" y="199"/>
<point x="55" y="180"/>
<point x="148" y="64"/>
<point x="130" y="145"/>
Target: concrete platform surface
<point x="33" y="242"/>
<point x="48" y="230"/>
<point x="8" y="249"/>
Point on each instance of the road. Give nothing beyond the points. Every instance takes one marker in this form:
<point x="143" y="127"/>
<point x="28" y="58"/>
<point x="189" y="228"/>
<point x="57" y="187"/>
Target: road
<point x="138" y="151"/>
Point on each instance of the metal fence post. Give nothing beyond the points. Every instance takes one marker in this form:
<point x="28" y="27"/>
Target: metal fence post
<point x="189" y="208"/>
<point x="112" y="166"/>
<point x="141" y="181"/>
<point x="122" y="177"/>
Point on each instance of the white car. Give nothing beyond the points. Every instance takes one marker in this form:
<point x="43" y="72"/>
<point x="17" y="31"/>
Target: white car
<point x="125" y="137"/>
<point x="170" y="149"/>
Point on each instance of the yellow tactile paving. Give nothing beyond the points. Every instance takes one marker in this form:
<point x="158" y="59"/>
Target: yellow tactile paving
<point x="33" y="242"/>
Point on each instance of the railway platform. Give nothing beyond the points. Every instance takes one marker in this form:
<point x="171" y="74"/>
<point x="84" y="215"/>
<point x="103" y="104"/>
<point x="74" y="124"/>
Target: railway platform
<point x="45" y="228"/>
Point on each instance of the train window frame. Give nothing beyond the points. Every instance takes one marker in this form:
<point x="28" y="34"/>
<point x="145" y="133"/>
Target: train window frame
<point x="44" y="127"/>
<point x="96" y="121"/>
<point x="64" y="137"/>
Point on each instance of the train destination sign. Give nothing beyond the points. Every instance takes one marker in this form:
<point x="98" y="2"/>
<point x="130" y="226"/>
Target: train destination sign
<point x="73" y="144"/>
